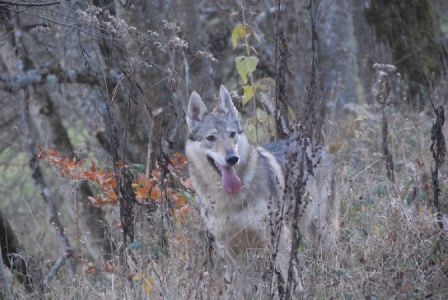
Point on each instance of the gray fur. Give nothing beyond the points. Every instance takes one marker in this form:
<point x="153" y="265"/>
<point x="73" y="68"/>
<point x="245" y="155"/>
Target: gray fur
<point x="241" y="221"/>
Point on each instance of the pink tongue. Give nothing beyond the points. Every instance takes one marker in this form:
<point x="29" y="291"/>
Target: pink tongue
<point x="230" y="181"/>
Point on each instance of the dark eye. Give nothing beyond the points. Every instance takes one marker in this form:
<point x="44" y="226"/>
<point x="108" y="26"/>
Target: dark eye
<point x="211" y="138"/>
<point x="232" y="134"/>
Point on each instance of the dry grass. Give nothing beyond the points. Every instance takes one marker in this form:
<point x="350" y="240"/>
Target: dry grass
<point x="390" y="246"/>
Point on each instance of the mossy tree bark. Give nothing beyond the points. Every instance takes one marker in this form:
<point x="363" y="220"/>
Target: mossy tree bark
<point x="12" y="254"/>
<point x="409" y="27"/>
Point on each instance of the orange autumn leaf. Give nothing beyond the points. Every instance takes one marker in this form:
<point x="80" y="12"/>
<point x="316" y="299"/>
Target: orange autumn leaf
<point x="175" y="163"/>
<point x="118" y="224"/>
<point x="156" y="194"/>
<point x="89" y="269"/>
<point x="155" y="173"/>
<point x="42" y="153"/>
<point x="183" y="210"/>
<point x="186" y="183"/>
<point x="178" y="160"/>
<point x="120" y="164"/>
<point x="98" y="200"/>
<point x="109" y="267"/>
<point x="141" y="193"/>
<point x="104" y="201"/>
<point x="112" y="194"/>
<point x="90" y="176"/>
<point x="56" y="159"/>
<point x="110" y="182"/>
<point x="105" y="182"/>
<point x="53" y="153"/>
<point x="143" y="181"/>
<point x="181" y="201"/>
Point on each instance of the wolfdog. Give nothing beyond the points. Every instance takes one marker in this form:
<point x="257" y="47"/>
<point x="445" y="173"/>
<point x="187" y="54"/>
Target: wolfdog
<point x="241" y="186"/>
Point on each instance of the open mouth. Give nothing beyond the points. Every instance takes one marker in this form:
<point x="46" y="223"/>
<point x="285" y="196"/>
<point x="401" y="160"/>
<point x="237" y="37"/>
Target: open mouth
<point x="229" y="179"/>
<point x="214" y="165"/>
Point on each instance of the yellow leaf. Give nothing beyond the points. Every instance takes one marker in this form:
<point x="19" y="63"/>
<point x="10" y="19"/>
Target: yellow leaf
<point x="248" y="93"/>
<point x="147" y="285"/>
<point x="237" y="34"/>
<point x="245" y="64"/>
<point x="137" y="277"/>
<point x="185" y="255"/>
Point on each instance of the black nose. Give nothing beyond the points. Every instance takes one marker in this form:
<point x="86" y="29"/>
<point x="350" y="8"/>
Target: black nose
<point x="232" y="159"/>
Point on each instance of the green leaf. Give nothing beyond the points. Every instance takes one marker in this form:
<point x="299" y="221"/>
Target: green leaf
<point x="135" y="245"/>
<point x="302" y="246"/>
<point x="237" y="34"/>
<point x="245" y="65"/>
<point x="139" y="167"/>
<point x="248" y="93"/>
<point x="342" y="272"/>
<point x="249" y="130"/>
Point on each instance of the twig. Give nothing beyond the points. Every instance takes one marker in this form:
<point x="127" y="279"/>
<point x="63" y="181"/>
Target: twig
<point x="155" y="120"/>
<point x="281" y="96"/>
<point x="12" y="83"/>
<point x="26" y="4"/>
<point x="313" y="88"/>
<point x="359" y="173"/>
<point x="299" y="180"/>
<point x="438" y="149"/>
<point x="5" y="287"/>
<point x="383" y="90"/>
<point x="386" y="151"/>
<point x="68" y="251"/>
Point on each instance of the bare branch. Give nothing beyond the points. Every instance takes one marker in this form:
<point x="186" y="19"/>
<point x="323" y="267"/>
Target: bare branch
<point x="11" y="255"/>
<point x="11" y="83"/>
<point x="68" y="251"/>
<point x="34" y="4"/>
<point x="3" y="279"/>
<point x="438" y="149"/>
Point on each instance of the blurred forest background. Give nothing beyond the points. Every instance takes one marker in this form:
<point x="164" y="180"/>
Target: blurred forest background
<point x="94" y="198"/>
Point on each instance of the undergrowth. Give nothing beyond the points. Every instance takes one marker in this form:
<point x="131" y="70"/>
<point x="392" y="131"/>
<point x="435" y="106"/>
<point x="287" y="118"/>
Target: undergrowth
<point x="390" y="244"/>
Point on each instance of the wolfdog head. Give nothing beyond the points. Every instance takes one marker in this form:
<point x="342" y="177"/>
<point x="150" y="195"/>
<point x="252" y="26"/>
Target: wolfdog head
<point x="216" y="135"/>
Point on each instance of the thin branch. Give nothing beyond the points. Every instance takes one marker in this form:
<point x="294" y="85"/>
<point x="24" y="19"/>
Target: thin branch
<point x="11" y="255"/>
<point x="438" y="149"/>
<point x="12" y="83"/>
<point x="4" y="282"/>
<point x="34" y="4"/>
<point x="68" y="251"/>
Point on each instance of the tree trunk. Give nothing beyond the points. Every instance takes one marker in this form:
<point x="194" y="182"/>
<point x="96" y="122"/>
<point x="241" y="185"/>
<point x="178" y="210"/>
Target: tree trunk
<point x="409" y="28"/>
<point x="12" y="254"/>
<point x="337" y="58"/>
<point x="54" y="135"/>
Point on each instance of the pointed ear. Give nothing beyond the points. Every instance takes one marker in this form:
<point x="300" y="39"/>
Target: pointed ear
<point x="226" y="103"/>
<point x="196" y="109"/>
